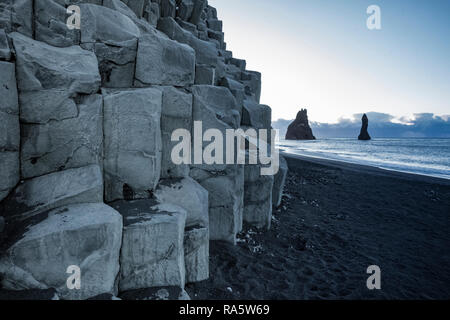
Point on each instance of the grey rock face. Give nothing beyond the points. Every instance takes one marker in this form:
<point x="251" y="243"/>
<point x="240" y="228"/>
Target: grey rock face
<point x="152" y="250"/>
<point x="117" y="64"/>
<point x="236" y="88"/>
<point x="8" y="90"/>
<point x="184" y="296"/>
<point x="205" y="75"/>
<point x="256" y="115"/>
<point x="199" y="6"/>
<point x="64" y="129"/>
<point x="113" y="36"/>
<point x="121" y="6"/>
<point x="206" y="52"/>
<point x="78" y="148"/>
<point x="219" y="37"/>
<point x="9" y="171"/>
<point x="217" y="109"/>
<point x="152" y="13"/>
<point x="202" y="30"/>
<point x="226" y="55"/>
<point x="196" y="254"/>
<point x="217" y="102"/>
<point x="9" y="130"/>
<point x="137" y="6"/>
<point x="67" y="143"/>
<point x="279" y="182"/>
<point x="102" y="24"/>
<point x="252" y="82"/>
<point x="258" y="197"/>
<point x="89" y="236"/>
<point x="40" y="66"/>
<point x="214" y="24"/>
<point x="213" y="112"/>
<point x="132" y="132"/>
<point x="215" y="42"/>
<point x="43" y="106"/>
<point x="50" y="18"/>
<point x="192" y="197"/>
<point x="5" y="51"/>
<point x="161" y="61"/>
<point x="81" y="185"/>
<point x="185" y="8"/>
<point x="192" y="28"/>
<point x="211" y="12"/>
<point x="176" y="114"/>
<point x="17" y="15"/>
<point x="241" y="64"/>
<point x="187" y="194"/>
<point x="168" y="8"/>
<point x="233" y="72"/>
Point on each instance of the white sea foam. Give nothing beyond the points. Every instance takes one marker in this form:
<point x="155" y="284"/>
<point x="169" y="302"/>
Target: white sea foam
<point x="420" y="156"/>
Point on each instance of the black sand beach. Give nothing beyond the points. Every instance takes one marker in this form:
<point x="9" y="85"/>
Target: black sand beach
<point x="335" y="220"/>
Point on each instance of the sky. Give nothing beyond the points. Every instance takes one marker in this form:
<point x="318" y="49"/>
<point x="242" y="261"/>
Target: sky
<point x="320" y="55"/>
<point x="424" y="125"/>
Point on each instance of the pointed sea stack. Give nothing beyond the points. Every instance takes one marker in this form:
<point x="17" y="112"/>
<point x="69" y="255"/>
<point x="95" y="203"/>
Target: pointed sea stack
<point x="300" y="129"/>
<point x="364" y="135"/>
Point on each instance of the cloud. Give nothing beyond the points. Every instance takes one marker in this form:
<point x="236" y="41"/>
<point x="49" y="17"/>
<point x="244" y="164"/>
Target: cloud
<point x="375" y="117"/>
<point x="381" y="125"/>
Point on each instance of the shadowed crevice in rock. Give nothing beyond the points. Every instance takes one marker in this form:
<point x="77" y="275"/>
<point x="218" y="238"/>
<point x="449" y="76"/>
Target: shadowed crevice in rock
<point x="128" y="193"/>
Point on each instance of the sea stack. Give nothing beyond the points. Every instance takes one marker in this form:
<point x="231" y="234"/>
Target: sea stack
<point x="364" y="135"/>
<point x="300" y="129"/>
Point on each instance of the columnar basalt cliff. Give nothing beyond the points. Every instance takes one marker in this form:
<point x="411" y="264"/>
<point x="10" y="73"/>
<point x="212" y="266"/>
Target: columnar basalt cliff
<point x="86" y="177"/>
<point x="300" y="129"/>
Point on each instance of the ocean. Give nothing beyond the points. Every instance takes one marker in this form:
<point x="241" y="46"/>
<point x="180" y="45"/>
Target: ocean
<point x="429" y="157"/>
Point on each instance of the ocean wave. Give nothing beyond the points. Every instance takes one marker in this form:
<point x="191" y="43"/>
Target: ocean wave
<point x="404" y="155"/>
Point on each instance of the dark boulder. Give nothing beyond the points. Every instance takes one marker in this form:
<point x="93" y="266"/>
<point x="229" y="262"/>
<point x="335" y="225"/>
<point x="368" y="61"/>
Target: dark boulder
<point x="364" y="135"/>
<point x="300" y="129"/>
<point x="28" y="295"/>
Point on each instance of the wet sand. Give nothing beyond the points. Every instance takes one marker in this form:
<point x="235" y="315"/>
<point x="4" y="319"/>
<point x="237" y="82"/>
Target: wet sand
<point x="335" y="220"/>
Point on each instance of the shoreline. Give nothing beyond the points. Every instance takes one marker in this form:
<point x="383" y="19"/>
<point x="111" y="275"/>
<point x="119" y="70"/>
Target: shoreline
<point x="346" y="165"/>
<point x="336" y="219"/>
